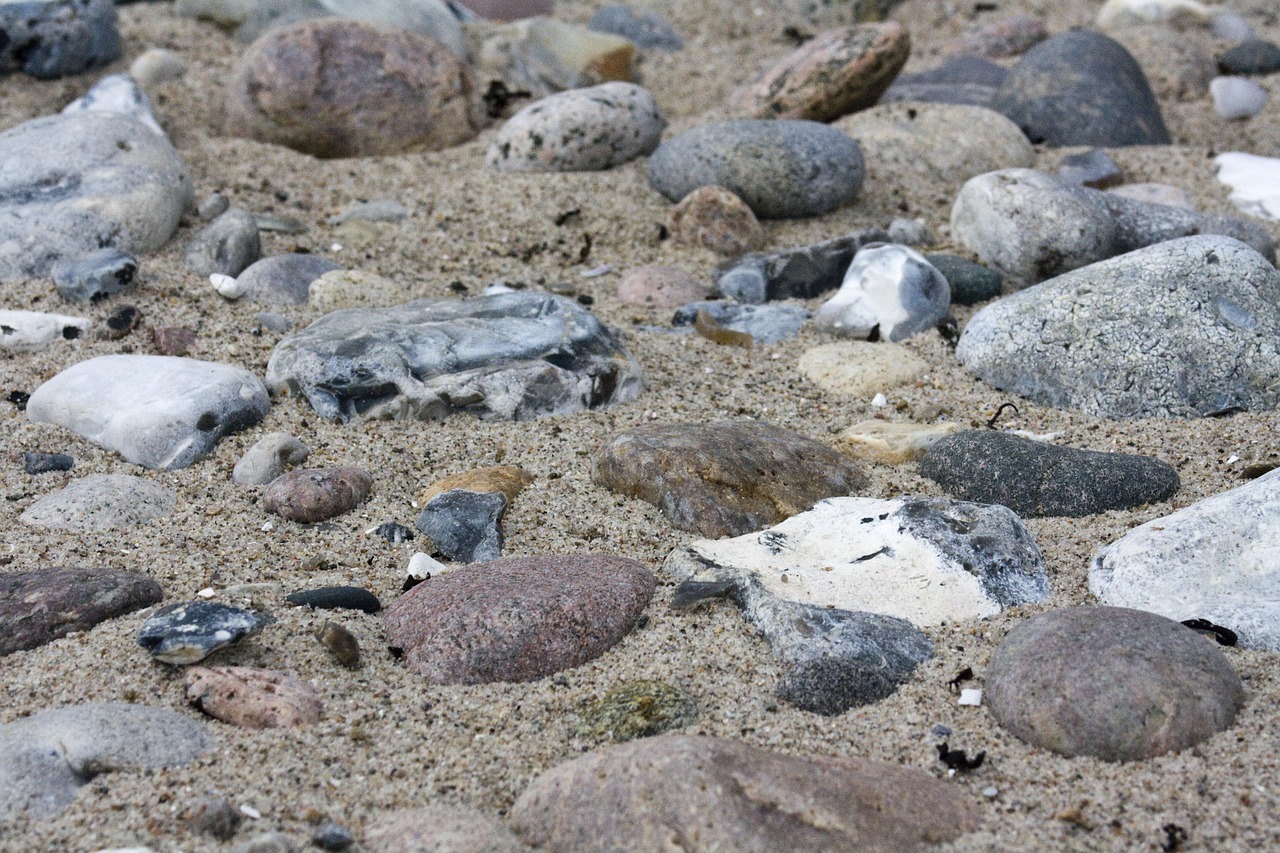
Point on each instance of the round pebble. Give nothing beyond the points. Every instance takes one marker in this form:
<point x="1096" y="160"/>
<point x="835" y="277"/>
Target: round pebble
<point x="317" y="494"/>
<point x="661" y="287"/>
<point x="716" y="219"/>
<point x="1237" y="97"/>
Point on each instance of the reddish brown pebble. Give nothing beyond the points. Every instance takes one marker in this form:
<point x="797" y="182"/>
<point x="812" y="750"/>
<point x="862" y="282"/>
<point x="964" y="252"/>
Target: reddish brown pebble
<point x="253" y="698"/>
<point x="173" y="340"/>
<point x="716" y="219"/>
<point x="39" y="606"/>
<point x="661" y="287"/>
<point x="314" y="494"/>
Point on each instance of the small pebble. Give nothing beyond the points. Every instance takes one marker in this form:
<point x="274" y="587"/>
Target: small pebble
<point x="283" y="279"/>
<point x="272" y="322"/>
<point x="122" y="321"/>
<point x="227" y="245"/>
<point x="332" y="836"/>
<point x="268" y="458"/>
<point x="1254" y="56"/>
<point x="156" y="65"/>
<point x="393" y="532"/>
<point x="253" y="698"/>
<point x="190" y="631"/>
<point x="226" y="286"/>
<point x="655" y="286"/>
<point x="173" y="340"/>
<point x="971" y="696"/>
<point x="94" y="276"/>
<point x="716" y="219"/>
<point x="645" y="27"/>
<point x="890" y="292"/>
<point x="1092" y="168"/>
<point x="214" y="206"/>
<point x="43" y="463"/>
<point x="215" y="817"/>
<point x="316" y="494"/>
<point x="341" y="643"/>
<point x="1237" y="97"/>
<point x="267" y="842"/>
<point x="1231" y="26"/>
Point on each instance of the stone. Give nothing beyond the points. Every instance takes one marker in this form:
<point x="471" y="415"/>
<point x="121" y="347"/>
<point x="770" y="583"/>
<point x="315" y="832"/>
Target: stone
<point x="27" y="331"/>
<point x="1231" y="26"/>
<point x="582" y="130"/>
<point x="636" y="709"/>
<point x="284" y="279"/>
<point x="432" y="18"/>
<point x="835" y="73"/>
<point x="100" y="502"/>
<point x="508" y="10"/>
<point x="189" y="631"/>
<point x="465" y="526"/>
<point x="781" y="168"/>
<point x="889" y="292"/>
<point x="733" y="796"/>
<point x="39" y="606"/>
<point x="339" y="88"/>
<point x="518" y="618"/>
<point x="542" y="55"/>
<point x="644" y="27"/>
<point x="332" y="836"/>
<point x="339" y="289"/>
<point x="1116" y="14"/>
<point x="1034" y="478"/>
<point x="340" y="643"/>
<point x="892" y="443"/>
<point x="1081" y="88"/>
<point x="1189" y="332"/>
<point x="1252" y="56"/>
<point x="1090" y="168"/>
<point x="117" y="93"/>
<point x="1116" y="684"/>
<point x="716" y="219"/>
<point x="860" y="369"/>
<point x="173" y="340"/>
<point x="72" y="184"/>
<point x="121" y="322"/>
<point x="1254" y="182"/>
<point x="157" y="65"/>
<point x="655" y="286"/>
<point x="505" y="479"/>
<point x="966" y="79"/>
<point x="1001" y="38"/>
<point x="214" y="206"/>
<point x="723" y="478"/>
<point x="801" y="272"/>
<point x="44" y="463"/>
<point x="95" y="275"/>
<point x="46" y="757"/>
<point x="970" y="283"/>
<point x="1211" y="560"/>
<point x="767" y="324"/>
<point x="156" y="411"/>
<point x="1237" y="97"/>
<point x="268" y="459"/>
<point x="336" y="598"/>
<point x="1169" y="196"/>
<point x="228" y="245"/>
<point x="253" y="698"/>
<point x="393" y="532"/>
<point x="513" y="356"/>
<point x="224" y="13"/>
<point x="53" y="38"/>
<point x="910" y="232"/>
<point x="830" y="13"/>
<point x="440" y="828"/>
<point x="309" y="495"/>
<point x="378" y="210"/>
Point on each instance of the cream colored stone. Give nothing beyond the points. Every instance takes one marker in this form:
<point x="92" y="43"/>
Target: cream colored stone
<point x="860" y="369"/>
<point x="340" y="289"/>
<point x="891" y="443"/>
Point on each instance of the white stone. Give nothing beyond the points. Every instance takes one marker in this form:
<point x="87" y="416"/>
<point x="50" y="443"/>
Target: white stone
<point x="117" y="93"/>
<point x="890" y="289"/>
<point x="1254" y="182"/>
<point x="31" y="330"/>
<point x="1237" y="97"/>
<point x="157" y="65"/>
<point x="1169" y="196"/>
<point x="971" y="696"/>
<point x="860" y="369"/>
<point x="227" y="287"/>
<point x="423" y="566"/>
<point x="1128" y="13"/>
<point x="1231" y="26"/>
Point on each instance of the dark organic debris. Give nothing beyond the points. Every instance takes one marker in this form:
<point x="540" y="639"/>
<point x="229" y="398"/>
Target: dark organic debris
<point x="1174" y="835"/>
<point x="961" y="677"/>
<point x="498" y="97"/>
<point x="341" y="643"/>
<point x="19" y="399"/>
<point x="957" y="760"/>
<point x="995" y="418"/>
<point x="1224" y="636"/>
<point x="690" y="594"/>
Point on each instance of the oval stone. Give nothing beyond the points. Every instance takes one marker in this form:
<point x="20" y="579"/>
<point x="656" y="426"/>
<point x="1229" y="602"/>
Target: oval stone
<point x="253" y="698"/>
<point x="39" y="606"/>
<point x="316" y="494"/>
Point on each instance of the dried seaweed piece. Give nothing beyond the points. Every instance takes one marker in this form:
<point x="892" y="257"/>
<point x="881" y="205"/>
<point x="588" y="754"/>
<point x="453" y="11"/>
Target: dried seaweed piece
<point x="1224" y="636"/>
<point x="957" y="760"/>
<point x="709" y="328"/>
<point x="961" y="677"/>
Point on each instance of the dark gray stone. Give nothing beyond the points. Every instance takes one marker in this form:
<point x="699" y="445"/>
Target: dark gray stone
<point x="645" y="27"/>
<point x="962" y="80"/>
<point x="44" y="463"/>
<point x="768" y="324"/>
<point x="227" y="245"/>
<point x="53" y="38"/>
<point x="332" y="836"/>
<point x="970" y="283"/>
<point x="190" y="631"/>
<point x="465" y="526"/>
<point x="1255" y="56"/>
<point x="393" y="532"/>
<point x="797" y="273"/>
<point x="284" y="279"/>
<point x="1092" y="168"/>
<point x="94" y="276"/>
<point x="336" y="598"/>
<point x="39" y="606"/>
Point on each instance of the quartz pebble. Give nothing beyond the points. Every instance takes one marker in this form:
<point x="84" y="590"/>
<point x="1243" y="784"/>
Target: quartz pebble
<point x="656" y="286"/>
<point x="799" y="272"/>
<point x="1237" y="97"/>
<point x="268" y="458"/>
<point x="95" y="275"/>
<point x="190" y="631"/>
<point x="716" y="219"/>
<point x="253" y="698"/>
<point x="889" y="292"/>
<point x="53" y="38"/>
<point x="309" y="495"/>
<point x="39" y="606"/>
<point x="101" y="502"/>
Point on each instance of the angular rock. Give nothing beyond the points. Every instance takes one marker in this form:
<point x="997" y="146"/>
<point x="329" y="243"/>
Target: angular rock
<point x="45" y="463"/>
<point x="767" y="324"/>
<point x="968" y="80"/>
<point x="100" y="502"/>
<point x="336" y="598"/>
<point x="801" y="272"/>
<point x="53" y="38"/>
<point x="38" y="607"/>
<point x="1117" y="684"/>
<point x="268" y="458"/>
<point x="94" y="276"/>
<point x="860" y="369"/>
<point x="441" y="828"/>
<point x="284" y="279"/>
<point x="512" y="356"/>
<point x="645" y="27"/>
<point x="1005" y="37"/>
<point x="970" y="283"/>
<point x="118" y="93"/>
<point x="636" y="709"/>
<point x="518" y="618"/>
<point x="228" y="245"/>
<point x="26" y="331"/>
<point x="1253" y="56"/>
<point x="890" y="292"/>
<point x="253" y="698"/>
<point x="190" y="631"/>
<point x="309" y="495"/>
<point x="657" y="286"/>
<point x="716" y="219"/>
<point x="723" y="478"/>
<point x="465" y="526"/>
<point x="892" y="443"/>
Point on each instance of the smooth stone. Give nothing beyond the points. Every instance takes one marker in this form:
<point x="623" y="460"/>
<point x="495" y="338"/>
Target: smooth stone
<point x="1189" y="325"/>
<point x="1151" y="193"/>
<point x="733" y="796"/>
<point x="440" y="828"/>
<point x="340" y="289"/>
<point x="513" y="356"/>
<point x="835" y="73"/>
<point x="781" y="168"/>
<point x="636" y="709"/>
<point x="332" y="836"/>
<point x="1254" y="182"/>
<point x="118" y="93"/>
<point x="27" y="331"/>
<point x="892" y="443"/>
<point x="716" y="219"/>
<point x="1034" y="478"/>
<point x="378" y="210"/>
<point x="1237" y="97"/>
<point x="46" y="757"/>
<point x="1081" y="88"/>
<point x="100" y="502"/>
<point x="336" y="598"/>
<point x="645" y="27"/>
<point x="1009" y="36"/>
<point x="889" y="292"/>
<point x="542" y="55"/>
<point x="253" y="698"/>
<point x="1253" y="56"/>
<point x="962" y="80"/>
<point x="1090" y="168"/>
<point x="1116" y="14"/>
<point x="910" y="232"/>
<point x="39" y="606"/>
<point x="768" y="324"/>
<point x="801" y="272"/>
<point x="1116" y="684"/>
<point x="656" y="286"/>
<point x="518" y="618"/>
<point x="213" y="206"/>
<point x="95" y="275"/>
<point x="284" y="279"/>
<point x="1176" y="67"/>
<point x="309" y="495"/>
<point x="270" y="15"/>
<point x="465" y="526"/>
<point x="506" y="479"/>
<point x="280" y="223"/>
<point x="270" y="321"/>
<point x="53" y="38"/>
<point x="859" y="368"/>
<point x="190" y="631"/>
<point x="723" y="478"/>
<point x="970" y="283"/>
<point x="157" y="65"/>
<point x="1231" y="26"/>
<point x="44" y="463"/>
<point x="72" y="184"/>
<point x="156" y="411"/>
<point x="227" y="245"/>
<point x="268" y="459"/>
<point x="121" y="322"/>
<point x="1212" y="560"/>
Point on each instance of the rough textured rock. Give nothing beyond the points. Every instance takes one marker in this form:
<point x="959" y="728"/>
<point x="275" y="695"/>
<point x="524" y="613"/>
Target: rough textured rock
<point x="189" y="631"/>
<point x="716" y="219"/>
<point x="253" y="698"/>
<point x="890" y="292"/>
<point x="657" y="286"/>
<point x="39" y="606"/>
<point x="100" y="502"/>
<point x="227" y="245"/>
<point x="53" y="38"/>
<point x="860" y="369"/>
<point x="267" y="459"/>
<point x="636" y="709"/>
<point x="800" y="272"/>
<point x="95" y="275"/>
<point x="440" y="829"/>
<point x="309" y="495"/>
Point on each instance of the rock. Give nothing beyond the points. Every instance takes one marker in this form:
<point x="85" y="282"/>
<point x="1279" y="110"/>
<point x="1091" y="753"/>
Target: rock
<point x="505" y="479"/>
<point x="1237" y="97"/>
<point x="268" y="458"/>
<point x="157" y="65"/>
<point x="1188" y="334"/>
<point x="716" y="219"/>
<point x="46" y="757"/>
<point x="892" y="443"/>
<point x="636" y="709"/>
<point x="513" y="356"/>
<point x="253" y="698"/>
<point x="155" y="411"/>
<point x="833" y="74"/>
<point x="781" y="168"/>
<point x="1164" y="194"/>
<point x="440" y="828"/>
<point x="53" y="38"/>
<point x="1252" y="56"/>
<point x="644" y="27"/>
<point x="622" y="798"/>
<point x="272" y="322"/>
<point x="106" y="181"/>
<point x="508" y="10"/>
<point x="214" y="816"/>
<point x="465" y="526"/>
<point x="1034" y="478"/>
<point x="889" y="292"/>
<point x="393" y="532"/>
<point x="95" y="275"/>
<point x="582" y="130"/>
<point x="38" y="607"/>
<point x="117" y="93"/>
<point x="830" y="13"/>
<point x="340" y="643"/>
<point x="519" y="618"/>
<point x="1254" y="182"/>
<point x="542" y="55"/>
<point x="336" y="598"/>
<point x="970" y="283"/>
<point x="340" y="88"/>
<point x="801" y="272"/>
<point x="270" y="15"/>
<point x="228" y="245"/>
<point x="224" y="13"/>
<point x="267" y="842"/>
<point x="767" y="324"/>
<point x="27" y="331"/>
<point x="1081" y="88"/>
<point x="284" y="279"/>
<point x="332" y="836"/>
<point x="1116" y="14"/>
<point x="860" y="369"/>
<point x="1116" y="684"/>
<point x="100" y="502"/>
<point x="1206" y="561"/>
<point x="190" y="631"/>
<point x="44" y="463"/>
<point x="1231" y="26"/>
<point x="1005" y="37"/>
<point x="339" y="289"/>
<point x="1090" y="168"/>
<point x="309" y="495"/>
<point x="120" y="322"/>
<point x="968" y="80"/>
<point x="214" y="206"/>
<point x="654" y="286"/>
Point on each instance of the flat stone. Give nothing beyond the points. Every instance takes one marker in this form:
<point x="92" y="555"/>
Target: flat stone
<point x="970" y="283"/>
<point x="94" y="276"/>
<point x="1117" y="684"/>
<point x="645" y="27"/>
<point x="723" y="478"/>
<point x="53" y="38"/>
<point x="1237" y="97"/>
<point x="892" y="443"/>
<point x="190" y="631"/>
<point x="268" y="459"/>
<point x="38" y="607"/>
<point x="636" y="709"/>
<point x="518" y="618"/>
<point x="27" y="331"/>
<point x="1254" y="182"/>
<point x="227" y="245"/>
<point x="339" y="289"/>
<point x="1007" y="36"/>
<point x="336" y="598"/>
<point x="656" y="286"/>
<point x="767" y="324"/>
<point x="118" y="93"/>
<point x="45" y="463"/>
<point x="100" y="502"/>
<point x="716" y="219"/>
<point x="284" y="279"/>
<point x="513" y="356"/>
<point x="860" y="369"/>
<point x="156" y="411"/>
<point x="801" y="272"/>
<point x="440" y="828"/>
<point x="890" y="292"/>
<point x="465" y="526"/>
<point x="309" y="495"/>
<point x="733" y="796"/>
<point x="1253" y="56"/>
<point x="253" y="698"/>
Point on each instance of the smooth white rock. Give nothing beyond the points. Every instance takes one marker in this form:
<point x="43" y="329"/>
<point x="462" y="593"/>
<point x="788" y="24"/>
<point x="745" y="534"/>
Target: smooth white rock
<point x="1231" y="26"/>
<point x="1128" y="13"/>
<point x="31" y="330"/>
<point x="891" y="287"/>
<point x="157" y="65"/>
<point x="117" y="93"/>
<point x="1237" y="97"/>
<point x="1254" y="182"/>
<point x="228" y="287"/>
<point x="1152" y="193"/>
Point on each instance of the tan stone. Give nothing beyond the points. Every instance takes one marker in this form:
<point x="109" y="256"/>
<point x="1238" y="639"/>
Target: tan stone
<point x="661" y="287"/>
<point x="889" y="442"/>
<point x="440" y="828"/>
<point x="715" y="218"/>
<point x="253" y="698"/>
<point x="507" y="479"/>
<point x="861" y="369"/>
<point x="340" y="289"/>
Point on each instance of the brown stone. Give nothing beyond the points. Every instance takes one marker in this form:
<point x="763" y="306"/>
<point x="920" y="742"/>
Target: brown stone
<point x="657" y="286"/>
<point x="253" y="698"/>
<point x="1006" y="37"/>
<point x="340" y="88"/>
<point x="440" y="829"/>
<point x="315" y="494"/>
<point x="39" y="606"/>
<point x="716" y="219"/>
<point x="173" y="340"/>
<point x="507" y="479"/>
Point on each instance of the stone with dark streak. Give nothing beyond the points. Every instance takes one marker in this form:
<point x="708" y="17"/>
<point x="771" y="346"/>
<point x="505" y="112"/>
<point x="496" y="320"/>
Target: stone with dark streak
<point x="39" y="606"/>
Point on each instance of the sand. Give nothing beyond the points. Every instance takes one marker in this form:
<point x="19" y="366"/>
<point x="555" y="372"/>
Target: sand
<point x="389" y="741"/>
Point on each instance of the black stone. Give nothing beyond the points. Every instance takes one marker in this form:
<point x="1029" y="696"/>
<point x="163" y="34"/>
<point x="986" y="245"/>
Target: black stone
<point x="971" y="283"/>
<point x="332" y="836"/>
<point x="465" y="525"/>
<point x="798" y="273"/>
<point x="43" y="463"/>
<point x="1255" y="56"/>
<point x="189" y="631"/>
<point x="393" y="532"/>
<point x="336" y="598"/>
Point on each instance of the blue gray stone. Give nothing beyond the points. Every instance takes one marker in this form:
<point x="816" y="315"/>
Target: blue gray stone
<point x="768" y="324"/>
<point x="645" y="27"/>
<point x="465" y="526"/>
<point x="190" y="631"/>
<point x="227" y="245"/>
<point x="970" y="283"/>
<point x="801" y="272"/>
<point x="44" y="463"/>
<point x="94" y="276"/>
<point x="100" y="502"/>
<point x="969" y="80"/>
<point x="53" y="38"/>
<point x="284" y="279"/>
<point x="269" y="457"/>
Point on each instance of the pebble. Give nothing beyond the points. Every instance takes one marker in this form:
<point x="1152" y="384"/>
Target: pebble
<point x="118" y="93"/>
<point x="968" y="80"/>
<point x="910" y="232"/>
<point x="378" y="210"/>
<point x="892" y="443"/>
<point x="270" y="321"/>
<point x="100" y="502"/>
<point x="39" y="606"/>
<point x="508" y="10"/>
<point x="336" y="598"/>
<point x="214" y="206"/>
<point x="1116" y="684"/>
<point x="433" y="18"/>
<point x="309" y="495"/>
<point x="95" y="275"/>
<point x="1005" y="37"/>
<point x="801" y="272"/>
<point x="636" y="709"/>
<point x="173" y="340"/>
<point x="121" y="322"/>
<point x="284" y="279"/>
<point x="1231" y="26"/>
<point x="781" y="168"/>
<point x="656" y="286"/>
<point x="48" y="39"/>
<point x="645" y="27"/>
<point x="1090" y="168"/>
<point x="190" y="631"/>
<point x="339" y="289"/>
<point x="542" y="55"/>
<point x="582" y="130"/>
<point x="253" y="698"/>
<point x="723" y="478"/>
<point x="393" y="532"/>
<point x="860" y="369"/>
<point x="1237" y="97"/>
<point x="157" y="65"/>
<point x="837" y="72"/>
<point x="227" y="245"/>
<point x="518" y="618"/>
<point x="332" y="836"/>
<point x="27" y="331"/>
<point x="1206" y="561"/>
<point x="716" y="219"/>
<point x="970" y="283"/>
<point x="1186" y="352"/>
<point x="1151" y="193"/>
<point x="1251" y="57"/>
<point x="1254" y="182"/>
<point x="623" y="797"/>
<point x="1116" y="14"/>
<point x="44" y="463"/>
<point x="766" y="324"/>
<point x="512" y="356"/>
<point x="340" y="643"/>
<point x="155" y="411"/>
<point x="268" y="459"/>
<point x="464" y="526"/>
<point x="1034" y="478"/>
<point x="890" y="292"/>
<point x="440" y="827"/>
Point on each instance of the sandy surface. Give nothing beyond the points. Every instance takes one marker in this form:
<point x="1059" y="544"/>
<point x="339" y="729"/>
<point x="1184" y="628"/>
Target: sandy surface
<point x="389" y="741"/>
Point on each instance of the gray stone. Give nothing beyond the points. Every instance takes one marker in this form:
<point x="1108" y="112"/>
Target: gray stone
<point x="1117" y="684"/>
<point x="332" y="836"/>
<point x="53" y="38"/>
<point x="1183" y="329"/>
<point x="1237" y="97"/>
<point x="768" y="324"/>
<point x="272" y="14"/>
<point x="190" y="631"/>
<point x="440" y="828"/>
<point x="378" y="210"/>
<point x="268" y="458"/>
<point x="781" y="168"/>
<point x="226" y="246"/>
<point x="1252" y="56"/>
<point x="645" y="27"/>
<point x="889" y="292"/>
<point x="118" y="93"/>
<point x="213" y="206"/>
<point x="94" y="276"/>
<point x="1231" y="26"/>
<point x="101" y="502"/>
<point x="796" y="273"/>
<point x="284" y="279"/>
<point x="465" y="526"/>
<point x="32" y="330"/>
<point x="970" y="283"/>
<point x="38" y="607"/>
<point x="44" y="463"/>
<point x="156" y="411"/>
<point x="1090" y="168"/>
<point x="963" y="80"/>
<point x="512" y="356"/>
